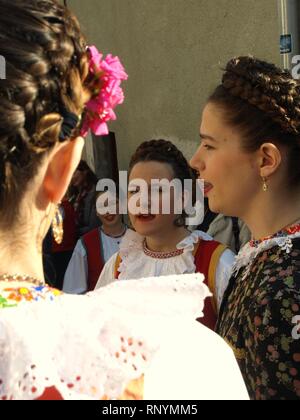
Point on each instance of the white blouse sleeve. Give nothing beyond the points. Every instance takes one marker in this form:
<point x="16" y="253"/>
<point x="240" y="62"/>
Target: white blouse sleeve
<point x="75" y="280"/>
<point x="223" y="274"/>
<point x="97" y="343"/>
<point x="107" y="275"/>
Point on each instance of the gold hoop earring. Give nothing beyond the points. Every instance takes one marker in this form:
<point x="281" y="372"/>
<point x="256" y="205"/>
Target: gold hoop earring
<point x="265" y="185"/>
<point x="57" y="226"/>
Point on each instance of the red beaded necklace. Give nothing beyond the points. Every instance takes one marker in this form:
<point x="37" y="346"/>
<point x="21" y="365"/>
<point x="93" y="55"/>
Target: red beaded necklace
<point x="160" y="255"/>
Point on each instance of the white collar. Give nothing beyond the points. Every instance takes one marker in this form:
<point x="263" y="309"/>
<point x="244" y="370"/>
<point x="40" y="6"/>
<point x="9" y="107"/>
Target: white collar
<point x="248" y="253"/>
<point x="135" y="263"/>
<point x="134" y="241"/>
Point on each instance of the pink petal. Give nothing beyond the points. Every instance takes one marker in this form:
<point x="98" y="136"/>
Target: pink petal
<point x="96" y="56"/>
<point x="100" y="108"/>
<point x="100" y="129"/>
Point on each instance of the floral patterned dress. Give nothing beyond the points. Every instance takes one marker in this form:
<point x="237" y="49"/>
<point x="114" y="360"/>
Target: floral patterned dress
<point x="258" y="319"/>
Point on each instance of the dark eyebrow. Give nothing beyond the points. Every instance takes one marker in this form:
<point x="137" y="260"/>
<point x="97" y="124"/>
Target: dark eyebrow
<point x="206" y="137"/>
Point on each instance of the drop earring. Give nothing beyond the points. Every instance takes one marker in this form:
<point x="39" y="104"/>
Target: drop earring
<point x="265" y="185"/>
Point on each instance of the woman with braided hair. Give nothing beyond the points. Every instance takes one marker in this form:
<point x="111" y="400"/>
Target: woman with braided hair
<point x="249" y="159"/>
<point x="161" y="243"/>
<point x="54" y="346"/>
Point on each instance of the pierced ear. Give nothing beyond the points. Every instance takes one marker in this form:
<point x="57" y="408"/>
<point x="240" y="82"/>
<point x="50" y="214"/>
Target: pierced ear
<point x="62" y="164"/>
<point x="270" y="159"/>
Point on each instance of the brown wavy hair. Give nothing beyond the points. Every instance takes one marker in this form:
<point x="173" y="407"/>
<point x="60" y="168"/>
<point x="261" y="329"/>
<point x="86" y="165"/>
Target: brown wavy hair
<point x="263" y="103"/>
<point x="166" y="152"/>
<point x="46" y="70"/>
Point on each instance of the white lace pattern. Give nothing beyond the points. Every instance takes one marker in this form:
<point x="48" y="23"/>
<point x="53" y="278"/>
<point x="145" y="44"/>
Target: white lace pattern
<point x="135" y="263"/>
<point x="92" y="346"/>
<point x="248" y="253"/>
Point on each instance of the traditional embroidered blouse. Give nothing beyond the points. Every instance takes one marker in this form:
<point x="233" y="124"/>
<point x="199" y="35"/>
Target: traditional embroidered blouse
<point x="89" y="346"/>
<point x="12" y="297"/>
<point x="136" y="339"/>
<point x="136" y="264"/>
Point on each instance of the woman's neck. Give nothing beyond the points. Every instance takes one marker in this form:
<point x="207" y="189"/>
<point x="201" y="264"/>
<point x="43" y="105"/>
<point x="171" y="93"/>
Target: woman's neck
<point x="115" y="230"/>
<point x="167" y="242"/>
<point x="272" y="214"/>
<point x="22" y="259"/>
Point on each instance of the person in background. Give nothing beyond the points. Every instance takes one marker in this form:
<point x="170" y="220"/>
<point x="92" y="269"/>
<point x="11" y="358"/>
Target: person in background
<point x="230" y="231"/>
<point x="93" y="250"/>
<point x="82" y="197"/>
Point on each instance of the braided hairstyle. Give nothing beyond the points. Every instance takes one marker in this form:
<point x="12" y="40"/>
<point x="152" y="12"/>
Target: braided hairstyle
<point x="166" y="152"/>
<point x="263" y="103"/>
<point x="46" y="70"/>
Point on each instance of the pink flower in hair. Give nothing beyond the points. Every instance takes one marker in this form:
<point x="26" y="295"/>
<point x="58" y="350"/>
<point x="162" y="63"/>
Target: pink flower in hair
<point x="106" y="75"/>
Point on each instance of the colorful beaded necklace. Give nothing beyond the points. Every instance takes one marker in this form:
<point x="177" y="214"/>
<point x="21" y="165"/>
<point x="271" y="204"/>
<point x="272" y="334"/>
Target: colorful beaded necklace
<point x="290" y="230"/>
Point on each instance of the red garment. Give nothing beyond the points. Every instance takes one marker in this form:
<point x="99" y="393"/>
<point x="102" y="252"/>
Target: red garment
<point x="203" y="262"/>
<point x="70" y="230"/>
<point x="50" y="394"/>
<point x="93" y="246"/>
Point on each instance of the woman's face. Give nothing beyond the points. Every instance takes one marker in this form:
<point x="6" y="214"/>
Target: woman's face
<point x="111" y="217"/>
<point x="145" y="222"/>
<point x="231" y="175"/>
<point x="78" y="178"/>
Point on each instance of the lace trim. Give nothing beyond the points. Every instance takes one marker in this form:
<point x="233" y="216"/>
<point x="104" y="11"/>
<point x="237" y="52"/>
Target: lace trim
<point x="249" y="253"/>
<point x="189" y="242"/>
<point x="92" y="346"/>
<point x="135" y="263"/>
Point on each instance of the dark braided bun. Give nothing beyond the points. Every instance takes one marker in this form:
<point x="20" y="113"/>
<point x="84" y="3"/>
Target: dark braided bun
<point x="166" y="152"/>
<point x="163" y="151"/>
<point x="268" y="88"/>
<point x="46" y="66"/>
<point x="262" y="102"/>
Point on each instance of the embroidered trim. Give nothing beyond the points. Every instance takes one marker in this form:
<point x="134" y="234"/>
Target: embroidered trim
<point x="291" y="230"/>
<point x="135" y="263"/>
<point x="160" y="255"/>
<point x="248" y="253"/>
